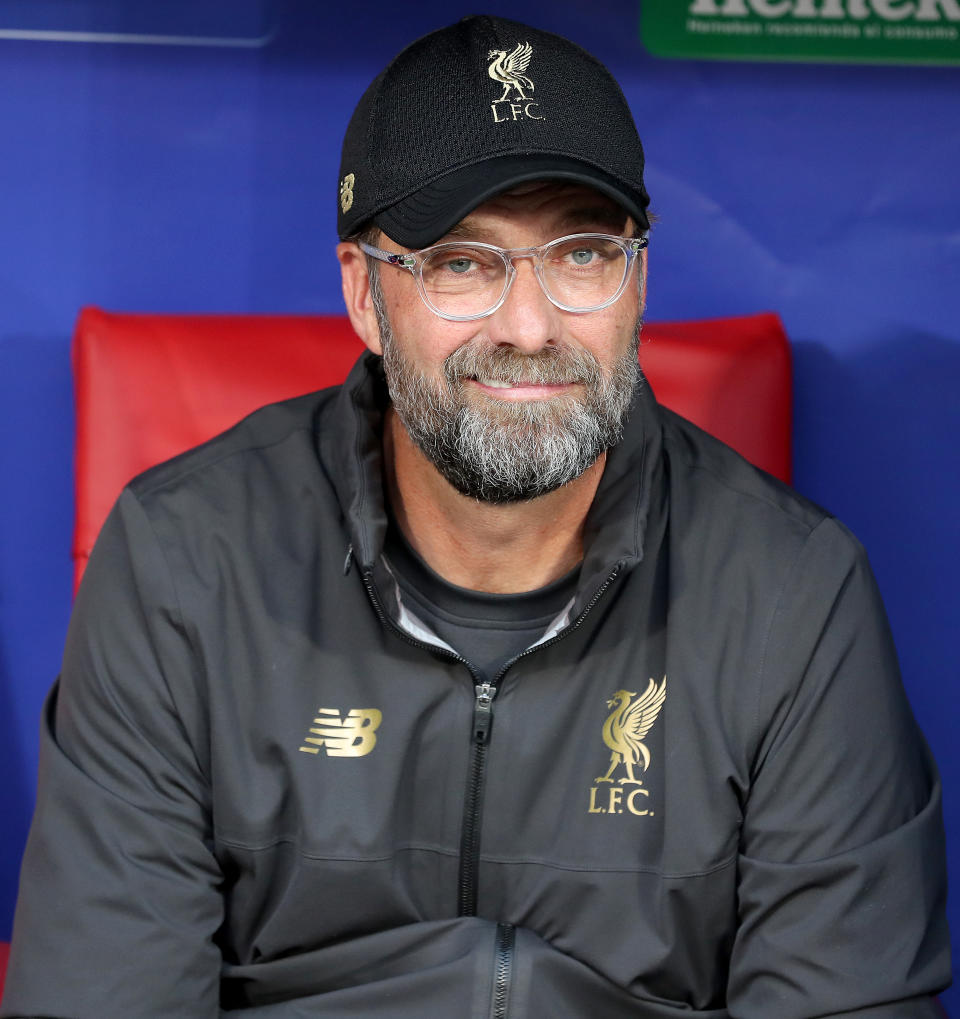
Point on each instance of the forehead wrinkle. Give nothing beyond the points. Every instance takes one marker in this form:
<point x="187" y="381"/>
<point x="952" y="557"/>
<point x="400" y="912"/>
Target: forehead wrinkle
<point x="608" y="217"/>
<point x="468" y="230"/>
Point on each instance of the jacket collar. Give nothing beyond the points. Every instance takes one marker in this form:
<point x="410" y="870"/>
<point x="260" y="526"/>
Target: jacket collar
<point x="616" y="524"/>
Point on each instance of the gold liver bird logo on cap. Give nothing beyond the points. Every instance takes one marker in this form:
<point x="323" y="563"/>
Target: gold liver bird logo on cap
<point x="508" y="68"/>
<point x="627" y="726"/>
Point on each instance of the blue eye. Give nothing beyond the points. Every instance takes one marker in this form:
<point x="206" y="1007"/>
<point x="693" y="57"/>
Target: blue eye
<point x="459" y="265"/>
<point x="582" y="256"/>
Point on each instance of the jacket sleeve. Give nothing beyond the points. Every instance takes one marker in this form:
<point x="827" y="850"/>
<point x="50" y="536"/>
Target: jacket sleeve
<point x="842" y="874"/>
<point x="119" y="901"/>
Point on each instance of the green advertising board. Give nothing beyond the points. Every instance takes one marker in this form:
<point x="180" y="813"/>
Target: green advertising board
<point x="870" y="31"/>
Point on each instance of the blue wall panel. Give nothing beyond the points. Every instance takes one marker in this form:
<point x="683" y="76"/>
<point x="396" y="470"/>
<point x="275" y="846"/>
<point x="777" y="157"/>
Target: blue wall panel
<point x="202" y="178"/>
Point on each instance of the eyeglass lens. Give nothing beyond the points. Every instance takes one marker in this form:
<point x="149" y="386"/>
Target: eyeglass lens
<point x="579" y="273"/>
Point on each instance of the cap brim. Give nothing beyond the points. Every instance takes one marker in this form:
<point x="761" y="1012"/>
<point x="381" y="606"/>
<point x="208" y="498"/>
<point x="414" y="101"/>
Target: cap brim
<point x="425" y="216"/>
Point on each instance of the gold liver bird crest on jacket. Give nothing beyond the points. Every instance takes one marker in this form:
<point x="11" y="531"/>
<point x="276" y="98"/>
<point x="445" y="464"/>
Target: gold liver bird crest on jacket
<point x="627" y="726"/>
<point x="508" y="68"/>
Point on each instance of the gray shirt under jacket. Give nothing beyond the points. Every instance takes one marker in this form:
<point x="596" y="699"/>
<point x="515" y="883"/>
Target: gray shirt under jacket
<point x="488" y="630"/>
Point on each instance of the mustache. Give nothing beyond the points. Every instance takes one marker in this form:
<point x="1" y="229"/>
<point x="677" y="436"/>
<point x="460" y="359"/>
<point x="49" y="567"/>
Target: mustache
<point x="559" y="365"/>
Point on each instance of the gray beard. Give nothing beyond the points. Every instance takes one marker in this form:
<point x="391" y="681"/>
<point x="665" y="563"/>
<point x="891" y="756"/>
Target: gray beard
<point x="501" y="451"/>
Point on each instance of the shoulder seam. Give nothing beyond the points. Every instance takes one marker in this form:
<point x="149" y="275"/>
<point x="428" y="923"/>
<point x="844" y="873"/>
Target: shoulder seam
<point x="725" y="482"/>
<point x="180" y="619"/>
<point x="180" y="476"/>
<point x="778" y="604"/>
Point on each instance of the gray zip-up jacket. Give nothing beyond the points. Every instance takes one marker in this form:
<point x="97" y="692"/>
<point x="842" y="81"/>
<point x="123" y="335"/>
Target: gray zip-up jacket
<point x="263" y="787"/>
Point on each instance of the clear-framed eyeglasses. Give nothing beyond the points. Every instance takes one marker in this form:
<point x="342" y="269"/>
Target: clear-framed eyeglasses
<point x="466" y="280"/>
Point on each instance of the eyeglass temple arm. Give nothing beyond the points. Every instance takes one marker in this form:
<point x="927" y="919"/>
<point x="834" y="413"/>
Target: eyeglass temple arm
<point x="404" y="261"/>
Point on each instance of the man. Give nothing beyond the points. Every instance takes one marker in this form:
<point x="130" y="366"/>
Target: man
<point x="481" y="685"/>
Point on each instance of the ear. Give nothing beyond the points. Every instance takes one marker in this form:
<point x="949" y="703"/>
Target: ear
<point x="356" y="294"/>
<point x="646" y="280"/>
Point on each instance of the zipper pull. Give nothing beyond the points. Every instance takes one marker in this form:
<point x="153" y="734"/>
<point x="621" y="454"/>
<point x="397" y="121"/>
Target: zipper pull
<point x="483" y="712"/>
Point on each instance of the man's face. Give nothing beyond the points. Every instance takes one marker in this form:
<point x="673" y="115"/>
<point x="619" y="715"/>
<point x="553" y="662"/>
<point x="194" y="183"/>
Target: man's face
<point x="517" y="404"/>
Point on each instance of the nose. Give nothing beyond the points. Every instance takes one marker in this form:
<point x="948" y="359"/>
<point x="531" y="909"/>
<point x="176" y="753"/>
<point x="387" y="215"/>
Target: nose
<point x="527" y="319"/>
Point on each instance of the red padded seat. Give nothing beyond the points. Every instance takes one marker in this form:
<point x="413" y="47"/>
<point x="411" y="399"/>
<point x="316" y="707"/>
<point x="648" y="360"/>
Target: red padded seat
<point x="150" y="386"/>
<point x="4" y="956"/>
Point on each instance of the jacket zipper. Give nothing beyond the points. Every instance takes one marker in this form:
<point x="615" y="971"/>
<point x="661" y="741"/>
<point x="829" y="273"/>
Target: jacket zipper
<point x="472" y="807"/>
<point x="482" y="723"/>
<point x="502" y="970"/>
<point x="480" y="737"/>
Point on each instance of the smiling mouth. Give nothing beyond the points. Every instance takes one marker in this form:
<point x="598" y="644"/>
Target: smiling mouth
<point x="520" y="384"/>
<point x="521" y="389"/>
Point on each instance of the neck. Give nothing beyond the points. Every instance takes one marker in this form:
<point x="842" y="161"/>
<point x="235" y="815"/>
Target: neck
<point x="498" y="548"/>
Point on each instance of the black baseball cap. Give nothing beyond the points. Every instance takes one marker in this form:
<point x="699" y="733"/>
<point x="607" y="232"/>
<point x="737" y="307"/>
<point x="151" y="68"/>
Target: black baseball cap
<point x="472" y="110"/>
